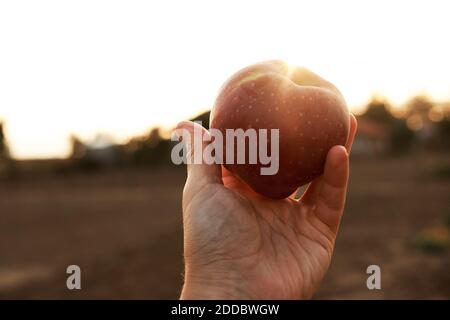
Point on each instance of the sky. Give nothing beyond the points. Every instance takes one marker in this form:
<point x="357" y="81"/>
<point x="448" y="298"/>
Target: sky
<point x="121" y="67"/>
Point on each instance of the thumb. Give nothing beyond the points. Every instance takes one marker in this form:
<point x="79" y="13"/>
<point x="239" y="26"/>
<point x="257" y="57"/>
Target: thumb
<point x="332" y="193"/>
<point x="200" y="171"/>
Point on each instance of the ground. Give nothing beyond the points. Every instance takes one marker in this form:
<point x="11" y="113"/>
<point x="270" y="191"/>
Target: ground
<point x="124" y="230"/>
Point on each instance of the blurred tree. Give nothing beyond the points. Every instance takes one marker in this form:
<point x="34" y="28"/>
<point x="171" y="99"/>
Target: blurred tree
<point x="152" y="149"/>
<point x="419" y="106"/>
<point x="79" y="157"/>
<point x="443" y="128"/>
<point x="431" y="121"/>
<point x="4" y="151"/>
<point x="418" y="111"/>
<point x="204" y="118"/>
<point x="400" y="136"/>
<point x="378" y="110"/>
<point x="78" y="147"/>
<point x="7" y="164"/>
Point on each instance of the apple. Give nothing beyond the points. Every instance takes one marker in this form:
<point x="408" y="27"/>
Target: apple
<point x="309" y="112"/>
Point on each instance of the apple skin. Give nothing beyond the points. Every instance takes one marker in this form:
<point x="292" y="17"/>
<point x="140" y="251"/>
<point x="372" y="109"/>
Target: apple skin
<point x="310" y="113"/>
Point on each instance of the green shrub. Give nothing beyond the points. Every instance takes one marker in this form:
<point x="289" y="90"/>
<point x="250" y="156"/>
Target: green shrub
<point x="435" y="239"/>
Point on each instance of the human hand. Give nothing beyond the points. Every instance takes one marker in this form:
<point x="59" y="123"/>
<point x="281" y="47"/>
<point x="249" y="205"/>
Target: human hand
<point x="241" y="245"/>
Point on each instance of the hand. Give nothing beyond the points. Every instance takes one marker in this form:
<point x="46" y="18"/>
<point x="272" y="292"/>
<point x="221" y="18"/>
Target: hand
<point x="240" y="245"/>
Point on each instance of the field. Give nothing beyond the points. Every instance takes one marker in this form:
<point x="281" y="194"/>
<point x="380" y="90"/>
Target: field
<point x="124" y="230"/>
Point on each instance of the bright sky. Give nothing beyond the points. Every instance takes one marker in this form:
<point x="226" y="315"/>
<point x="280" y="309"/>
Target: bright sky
<point x="121" y="67"/>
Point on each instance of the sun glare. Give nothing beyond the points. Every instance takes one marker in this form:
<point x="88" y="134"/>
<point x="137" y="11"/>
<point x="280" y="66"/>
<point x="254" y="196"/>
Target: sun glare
<point x="89" y="67"/>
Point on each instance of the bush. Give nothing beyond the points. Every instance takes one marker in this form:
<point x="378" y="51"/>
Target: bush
<point x="401" y="138"/>
<point x="436" y="239"/>
<point x="441" y="172"/>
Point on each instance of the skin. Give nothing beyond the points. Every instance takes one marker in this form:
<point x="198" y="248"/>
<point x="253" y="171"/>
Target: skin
<point x="241" y="245"/>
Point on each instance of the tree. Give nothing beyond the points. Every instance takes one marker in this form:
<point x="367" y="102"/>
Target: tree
<point x="419" y="107"/>
<point x="4" y="151"/>
<point x="7" y="165"/>
<point x="379" y="111"/>
<point x="151" y="149"/>
<point x="204" y="118"/>
<point x="78" y="147"/>
<point x="400" y="136"/>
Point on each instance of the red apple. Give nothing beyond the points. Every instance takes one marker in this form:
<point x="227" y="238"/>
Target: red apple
<point x="310" y="113"/>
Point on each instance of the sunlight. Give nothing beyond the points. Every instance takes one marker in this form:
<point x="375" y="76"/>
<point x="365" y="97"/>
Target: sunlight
<point x="129" y="67"/>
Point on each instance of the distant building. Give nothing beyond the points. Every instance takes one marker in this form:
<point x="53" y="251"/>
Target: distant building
<point x="100" y="152"/>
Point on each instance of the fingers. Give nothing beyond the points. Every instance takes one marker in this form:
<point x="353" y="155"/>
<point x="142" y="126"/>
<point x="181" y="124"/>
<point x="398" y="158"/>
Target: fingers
<point x="231" y="181"/>
<point x="311" y="193"/>
<point x="328" y="192"/>
<point x="234" y="182"/>
<point x="335" y="176"/>
<point x="200" y="172"/>
<point x="333" y="188"/>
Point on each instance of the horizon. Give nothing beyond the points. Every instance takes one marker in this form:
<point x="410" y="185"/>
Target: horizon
<point x="105" y="67"/>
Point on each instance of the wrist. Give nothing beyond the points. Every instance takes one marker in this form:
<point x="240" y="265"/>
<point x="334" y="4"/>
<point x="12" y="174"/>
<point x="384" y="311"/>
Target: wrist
<point x="201" y="286"/>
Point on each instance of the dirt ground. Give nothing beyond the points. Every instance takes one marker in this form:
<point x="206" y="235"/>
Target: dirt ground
<point x="124" y="230"/>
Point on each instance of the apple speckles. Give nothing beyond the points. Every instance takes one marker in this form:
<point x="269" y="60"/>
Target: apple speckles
<point x="307" y="127"/>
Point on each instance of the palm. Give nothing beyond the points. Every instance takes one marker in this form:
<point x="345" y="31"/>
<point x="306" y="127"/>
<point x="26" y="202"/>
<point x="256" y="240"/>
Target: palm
<point x="279" y="248"/>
